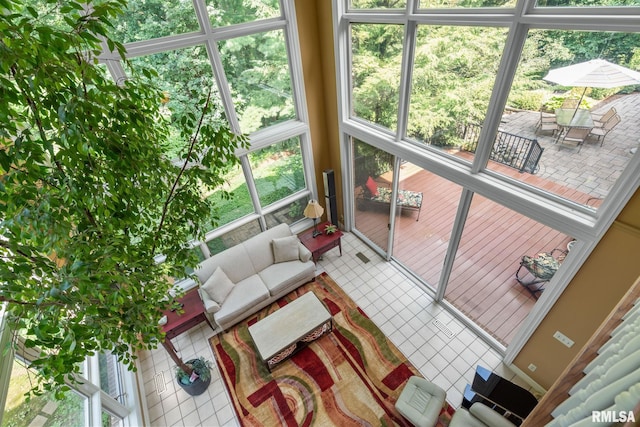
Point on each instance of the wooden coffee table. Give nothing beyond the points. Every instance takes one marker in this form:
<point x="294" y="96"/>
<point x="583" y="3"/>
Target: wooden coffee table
<point x="194" y="314"/>
<point x="298" y="323"/>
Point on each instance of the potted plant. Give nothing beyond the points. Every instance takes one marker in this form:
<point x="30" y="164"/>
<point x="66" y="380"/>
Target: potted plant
<point x="330" y="229"/>
<point x="198" y="380"/>
<point x="96" y="211"/>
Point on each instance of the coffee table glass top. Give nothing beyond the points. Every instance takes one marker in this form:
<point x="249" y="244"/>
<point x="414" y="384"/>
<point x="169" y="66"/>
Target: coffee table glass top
<point x="288" y="325"/>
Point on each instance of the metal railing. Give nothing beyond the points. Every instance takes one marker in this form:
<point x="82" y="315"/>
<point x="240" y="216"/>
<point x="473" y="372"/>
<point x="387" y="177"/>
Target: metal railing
<point x="515" y="151"/>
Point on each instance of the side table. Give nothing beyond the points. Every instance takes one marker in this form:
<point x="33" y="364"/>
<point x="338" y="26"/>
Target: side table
<point x="193" y="315"/>
<point x="322" y="243"/>
<point x="509" y="399"/>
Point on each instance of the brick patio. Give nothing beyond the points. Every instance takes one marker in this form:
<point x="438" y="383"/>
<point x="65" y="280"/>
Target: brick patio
<point x="592" y="169"/>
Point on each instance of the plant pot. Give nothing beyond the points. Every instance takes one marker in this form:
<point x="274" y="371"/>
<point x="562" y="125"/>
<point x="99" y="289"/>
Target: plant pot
<point x="199" y="385"/>
<point x="195" y="388"/>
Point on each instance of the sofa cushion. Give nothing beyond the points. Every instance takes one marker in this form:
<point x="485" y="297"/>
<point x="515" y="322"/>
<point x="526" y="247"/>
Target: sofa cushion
<point x="227" y="260"/>
<point x="372" y="187"/>
<point x="285" y="249"/>
<point x="259" y="250"/>
<point x="218" y="286"/>
<point x="283" y="275"/>
<point x="243" y="296"/>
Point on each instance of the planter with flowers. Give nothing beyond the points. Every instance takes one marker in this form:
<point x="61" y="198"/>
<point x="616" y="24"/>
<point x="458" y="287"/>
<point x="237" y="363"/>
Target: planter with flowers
<point x="197" y="381"/>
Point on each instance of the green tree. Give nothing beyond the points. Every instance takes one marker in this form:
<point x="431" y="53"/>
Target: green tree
<point x="454" y="73"/>
<point x="377" y="55"/>
<point x="257" y="70"/>
<point x="89" y="200"/>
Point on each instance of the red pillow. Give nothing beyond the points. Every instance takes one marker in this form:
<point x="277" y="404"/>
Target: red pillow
<point x="372" y="187"/>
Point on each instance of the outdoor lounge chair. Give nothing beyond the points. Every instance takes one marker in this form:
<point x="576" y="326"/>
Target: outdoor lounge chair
<point x="373" y="194"/>
<point x="542" y="267"/>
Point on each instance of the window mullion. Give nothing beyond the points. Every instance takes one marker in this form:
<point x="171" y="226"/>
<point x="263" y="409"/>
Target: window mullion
<point x="504" y="79"/>
<point x="406" y="73"/>
<point x="295" y="61"/>
<point x="223" y="85"/>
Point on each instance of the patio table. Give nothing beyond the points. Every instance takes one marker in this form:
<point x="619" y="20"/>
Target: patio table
<point x="582" y="119"/>
<point x="567" y="118"/>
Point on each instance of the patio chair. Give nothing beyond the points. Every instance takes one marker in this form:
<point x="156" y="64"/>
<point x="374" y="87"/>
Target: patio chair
<point x="601" y="132"/>
<point x="600" y="119"/>
<point x="542" y="267"/>
<point x="547" y="122"/>
<point x="574" y="137"/>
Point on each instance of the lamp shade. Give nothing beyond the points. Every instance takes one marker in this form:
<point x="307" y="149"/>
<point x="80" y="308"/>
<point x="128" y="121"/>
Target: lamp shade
<point x="313" y="210"/>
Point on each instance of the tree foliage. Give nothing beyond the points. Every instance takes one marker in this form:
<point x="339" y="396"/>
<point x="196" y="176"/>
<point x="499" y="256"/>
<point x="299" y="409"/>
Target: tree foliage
<point x="89" y="198"/>
<point x="455" y="68"/>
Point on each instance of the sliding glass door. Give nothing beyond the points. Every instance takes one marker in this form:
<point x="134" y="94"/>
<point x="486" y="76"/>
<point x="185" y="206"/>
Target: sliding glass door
<point x="482" y="283"/>
<point x="422" y="227"/>
<point x="373" y="174"/>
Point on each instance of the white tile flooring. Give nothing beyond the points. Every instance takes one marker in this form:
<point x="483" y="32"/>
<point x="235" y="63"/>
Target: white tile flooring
<point x="403" y="311"/>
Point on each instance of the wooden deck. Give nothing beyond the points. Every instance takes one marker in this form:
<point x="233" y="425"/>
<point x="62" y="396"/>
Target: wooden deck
<point x="482" y="284"/>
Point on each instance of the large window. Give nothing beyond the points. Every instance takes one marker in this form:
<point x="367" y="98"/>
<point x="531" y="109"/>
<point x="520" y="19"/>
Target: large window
<point x="190" y="48"/>
<point x="258" y="73"/>
<point x="148" y="19"/>
<point x="244" y="53"/>
<point x="458" y="96"/>
<point x="453" y="75"/>
<point x="377" y="54"/>
<point x="225" y="12"/>
<point x="574" y="173"/>
<point x="40" y="410"/>
<point x="104" y="394"/>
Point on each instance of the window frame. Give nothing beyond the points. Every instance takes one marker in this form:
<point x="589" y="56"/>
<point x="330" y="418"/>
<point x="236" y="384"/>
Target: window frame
<point x="586" y="225"/>
<point x="134" y="410"/>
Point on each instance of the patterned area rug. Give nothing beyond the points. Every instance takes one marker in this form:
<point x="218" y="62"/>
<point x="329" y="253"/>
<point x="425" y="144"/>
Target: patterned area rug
<point x="351" y="376"/>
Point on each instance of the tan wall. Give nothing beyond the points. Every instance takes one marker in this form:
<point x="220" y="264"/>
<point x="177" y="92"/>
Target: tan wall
<point x="318" y="64"/>
<point x="607" y="274"/>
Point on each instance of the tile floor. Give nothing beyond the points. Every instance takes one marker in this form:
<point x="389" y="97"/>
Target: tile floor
<point x="404" y="312"/>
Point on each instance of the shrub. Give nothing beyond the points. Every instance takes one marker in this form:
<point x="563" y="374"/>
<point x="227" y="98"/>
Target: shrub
<point x="530" y="100"/>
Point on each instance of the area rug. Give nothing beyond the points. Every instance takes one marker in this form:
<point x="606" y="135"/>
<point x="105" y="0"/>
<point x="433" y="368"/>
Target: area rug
<point x="351" y="376"/>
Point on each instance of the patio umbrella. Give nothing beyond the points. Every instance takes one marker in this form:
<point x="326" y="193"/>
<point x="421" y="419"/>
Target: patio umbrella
<point x="595" y="73"/>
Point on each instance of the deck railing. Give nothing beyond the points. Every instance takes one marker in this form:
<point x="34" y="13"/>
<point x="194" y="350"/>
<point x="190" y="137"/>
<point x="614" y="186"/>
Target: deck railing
<point x="515" y="151"/>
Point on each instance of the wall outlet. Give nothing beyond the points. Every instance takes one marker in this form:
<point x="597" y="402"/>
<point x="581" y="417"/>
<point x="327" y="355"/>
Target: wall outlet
<point x="563" y="339"/>
<point x="532" y="367"/>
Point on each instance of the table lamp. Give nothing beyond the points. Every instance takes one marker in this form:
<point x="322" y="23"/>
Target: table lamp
<point x="314" y="211"/>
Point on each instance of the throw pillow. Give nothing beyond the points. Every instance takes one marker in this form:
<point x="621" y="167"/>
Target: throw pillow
<point x="285" y="249"/>
<point x="372" y="187"/>
<point x="218" y="286"/>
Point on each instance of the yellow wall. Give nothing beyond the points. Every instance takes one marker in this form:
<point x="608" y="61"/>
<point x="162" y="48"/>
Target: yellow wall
<point x="608" y="273"/>
<point x="610" y="270"/>
<point x="318" y="63"/>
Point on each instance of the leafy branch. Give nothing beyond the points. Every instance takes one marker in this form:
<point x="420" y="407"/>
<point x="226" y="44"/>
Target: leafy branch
<point x="88" y="195"/>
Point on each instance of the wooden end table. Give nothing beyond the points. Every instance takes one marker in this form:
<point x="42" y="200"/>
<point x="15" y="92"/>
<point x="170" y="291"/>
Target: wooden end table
<point x="194" y="314"/>
<point x="322" y="243"/>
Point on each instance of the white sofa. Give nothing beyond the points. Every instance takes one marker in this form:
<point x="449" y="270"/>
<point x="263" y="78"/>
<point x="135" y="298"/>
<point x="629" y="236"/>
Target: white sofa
<point x="245" y="278"/>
